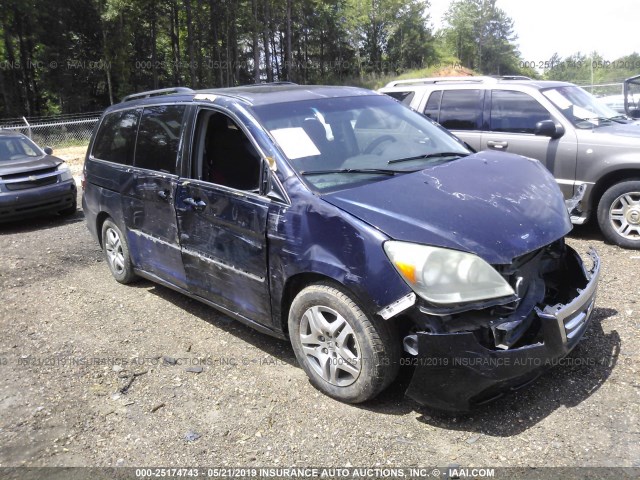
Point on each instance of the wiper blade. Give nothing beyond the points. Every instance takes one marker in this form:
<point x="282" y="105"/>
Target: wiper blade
<point x="592" y="119"/>
<point x="429" y="155"/>
<point x="380" y="171"/>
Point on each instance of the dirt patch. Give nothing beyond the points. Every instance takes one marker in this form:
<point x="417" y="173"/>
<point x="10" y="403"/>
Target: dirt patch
<point x="457" y="71"/>
<point x="74" y="156"/>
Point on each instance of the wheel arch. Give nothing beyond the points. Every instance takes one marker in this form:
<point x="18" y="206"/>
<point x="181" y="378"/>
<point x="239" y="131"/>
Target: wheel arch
<point x="296" y="283"/>
<point x="100" y="219"/>
<point x="610" y="179"/>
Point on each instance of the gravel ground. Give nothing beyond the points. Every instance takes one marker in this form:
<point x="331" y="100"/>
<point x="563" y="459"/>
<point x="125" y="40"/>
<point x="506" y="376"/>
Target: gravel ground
<point x="94" y="373"/>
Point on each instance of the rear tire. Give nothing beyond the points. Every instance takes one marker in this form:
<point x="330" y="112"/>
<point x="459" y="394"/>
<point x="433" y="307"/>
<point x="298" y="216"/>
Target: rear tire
<point x="347" y="354"/>
<point x="619" y="214"/>
<point x="116" y="251"/>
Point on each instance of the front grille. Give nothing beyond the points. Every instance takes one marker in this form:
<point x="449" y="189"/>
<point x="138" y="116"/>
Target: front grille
<point x="40" y="182"/>
<point x="25" y="175"/>
<point x="33" y="179"/>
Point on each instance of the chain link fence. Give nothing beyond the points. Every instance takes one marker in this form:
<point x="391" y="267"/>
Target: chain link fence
<point x="56" y="132"/>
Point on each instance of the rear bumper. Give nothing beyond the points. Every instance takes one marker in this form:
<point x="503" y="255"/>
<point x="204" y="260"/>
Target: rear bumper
<point x="454" y="372"/>
<point x="15" y="205"/>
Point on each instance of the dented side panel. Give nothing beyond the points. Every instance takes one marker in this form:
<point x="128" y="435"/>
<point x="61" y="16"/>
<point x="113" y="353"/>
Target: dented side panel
<point x="224" y="248"/>
<point x="151" y="228"/>
<point x="313" y="237"/>
<point x="103" y="197"/>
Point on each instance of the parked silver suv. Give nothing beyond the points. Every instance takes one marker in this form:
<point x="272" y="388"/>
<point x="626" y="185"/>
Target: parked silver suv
<point x="593" y="151"/>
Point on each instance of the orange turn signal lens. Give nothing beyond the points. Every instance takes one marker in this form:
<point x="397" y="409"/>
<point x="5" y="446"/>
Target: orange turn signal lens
<point x="408" y="271"/>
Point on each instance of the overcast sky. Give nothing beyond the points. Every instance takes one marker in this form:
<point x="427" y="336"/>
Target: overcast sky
<point x="543" y="27"/>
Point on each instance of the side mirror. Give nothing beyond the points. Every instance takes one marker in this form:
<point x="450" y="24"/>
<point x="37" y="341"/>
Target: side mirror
<point x="48" y="150"/>
<point x="270" y="186"/>
<point x="549" y="128"/>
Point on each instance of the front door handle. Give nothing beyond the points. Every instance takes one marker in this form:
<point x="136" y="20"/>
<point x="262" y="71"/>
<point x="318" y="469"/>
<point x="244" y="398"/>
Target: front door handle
<point x="197" y="205"/>
<point x="495" y="145"/>
<point x="164" y="195"/>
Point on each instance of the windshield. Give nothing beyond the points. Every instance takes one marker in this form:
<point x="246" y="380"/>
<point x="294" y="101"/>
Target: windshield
<point x="336" y="143"/>
<point x="581" y="108"/>
<point x="14" y="148"/>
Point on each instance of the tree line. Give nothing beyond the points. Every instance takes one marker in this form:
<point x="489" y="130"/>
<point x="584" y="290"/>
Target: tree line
<point x="77" y="55"/>
<point x="69" y="56"/>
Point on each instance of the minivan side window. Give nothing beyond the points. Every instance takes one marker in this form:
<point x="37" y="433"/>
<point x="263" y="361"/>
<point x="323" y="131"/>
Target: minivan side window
<point x="159" y="138"/>
<point x="116" y="139"/>
<point x="515" y="112"/>
<point x="461" y="109"/>
<point x="224" y="154"/>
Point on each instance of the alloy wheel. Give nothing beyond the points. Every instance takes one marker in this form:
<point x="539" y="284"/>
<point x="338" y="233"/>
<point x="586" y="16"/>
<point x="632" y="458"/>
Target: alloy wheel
<point x="115" y="254"/>
<point x="624" y="215"/>
<point x="330" y="346"/>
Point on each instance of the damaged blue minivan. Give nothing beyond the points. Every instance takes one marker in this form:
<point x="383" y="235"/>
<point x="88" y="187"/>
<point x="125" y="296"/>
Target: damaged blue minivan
<point x="350" y="224"/>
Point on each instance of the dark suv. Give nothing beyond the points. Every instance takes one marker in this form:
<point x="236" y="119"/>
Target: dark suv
<point x="592" y="150"/>
<point x="351" y="225"/>
<point x="32" y="181"/>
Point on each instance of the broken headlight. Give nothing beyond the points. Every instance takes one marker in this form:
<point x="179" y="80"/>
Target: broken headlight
<point x="444" y="276"/>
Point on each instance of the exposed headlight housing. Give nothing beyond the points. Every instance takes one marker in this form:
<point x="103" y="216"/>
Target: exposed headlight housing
<point x="443" y="276"/>
<point x="65" y="172"/>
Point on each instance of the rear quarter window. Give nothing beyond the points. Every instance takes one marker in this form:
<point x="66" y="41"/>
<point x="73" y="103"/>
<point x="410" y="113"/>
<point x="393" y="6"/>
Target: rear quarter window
<point x="403" y="97"/>
<point x="432" y="108"/>
<point x="116" y="137"/>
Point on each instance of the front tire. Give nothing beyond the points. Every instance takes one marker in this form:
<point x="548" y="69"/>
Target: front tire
<point x="116" y="252"/>
<point x="346" y="354"/>
<point x="619" y="214"/>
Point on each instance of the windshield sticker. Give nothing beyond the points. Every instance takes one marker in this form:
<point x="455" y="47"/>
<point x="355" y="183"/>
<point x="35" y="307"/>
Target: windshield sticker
<point x="295" y="142"/>
<point x="557" y="98"/>
<point x="585" y="114"/>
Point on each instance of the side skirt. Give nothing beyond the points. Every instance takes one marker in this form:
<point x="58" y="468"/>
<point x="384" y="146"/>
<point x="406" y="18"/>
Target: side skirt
<point x="236" y="316"/>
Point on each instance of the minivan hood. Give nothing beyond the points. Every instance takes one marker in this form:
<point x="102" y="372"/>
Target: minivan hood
<point x="28" y="164"/>
<point x="496" y="205"/>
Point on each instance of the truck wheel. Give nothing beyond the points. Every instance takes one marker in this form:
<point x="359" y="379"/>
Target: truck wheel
<point x="619" y="214"/>
<point x="117" y="252"/>
<point x="347" y="354"/>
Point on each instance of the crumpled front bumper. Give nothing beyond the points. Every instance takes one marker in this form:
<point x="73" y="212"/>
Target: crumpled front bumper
<point x="455" y="372"/>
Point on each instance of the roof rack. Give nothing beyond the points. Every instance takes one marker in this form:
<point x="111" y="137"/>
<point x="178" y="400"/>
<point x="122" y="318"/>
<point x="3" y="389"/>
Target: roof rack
<point x="153" y="93"/>
<point x="469" y="79"/>
<point x="512" y="77"/>
<point x="262" y="84"/>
